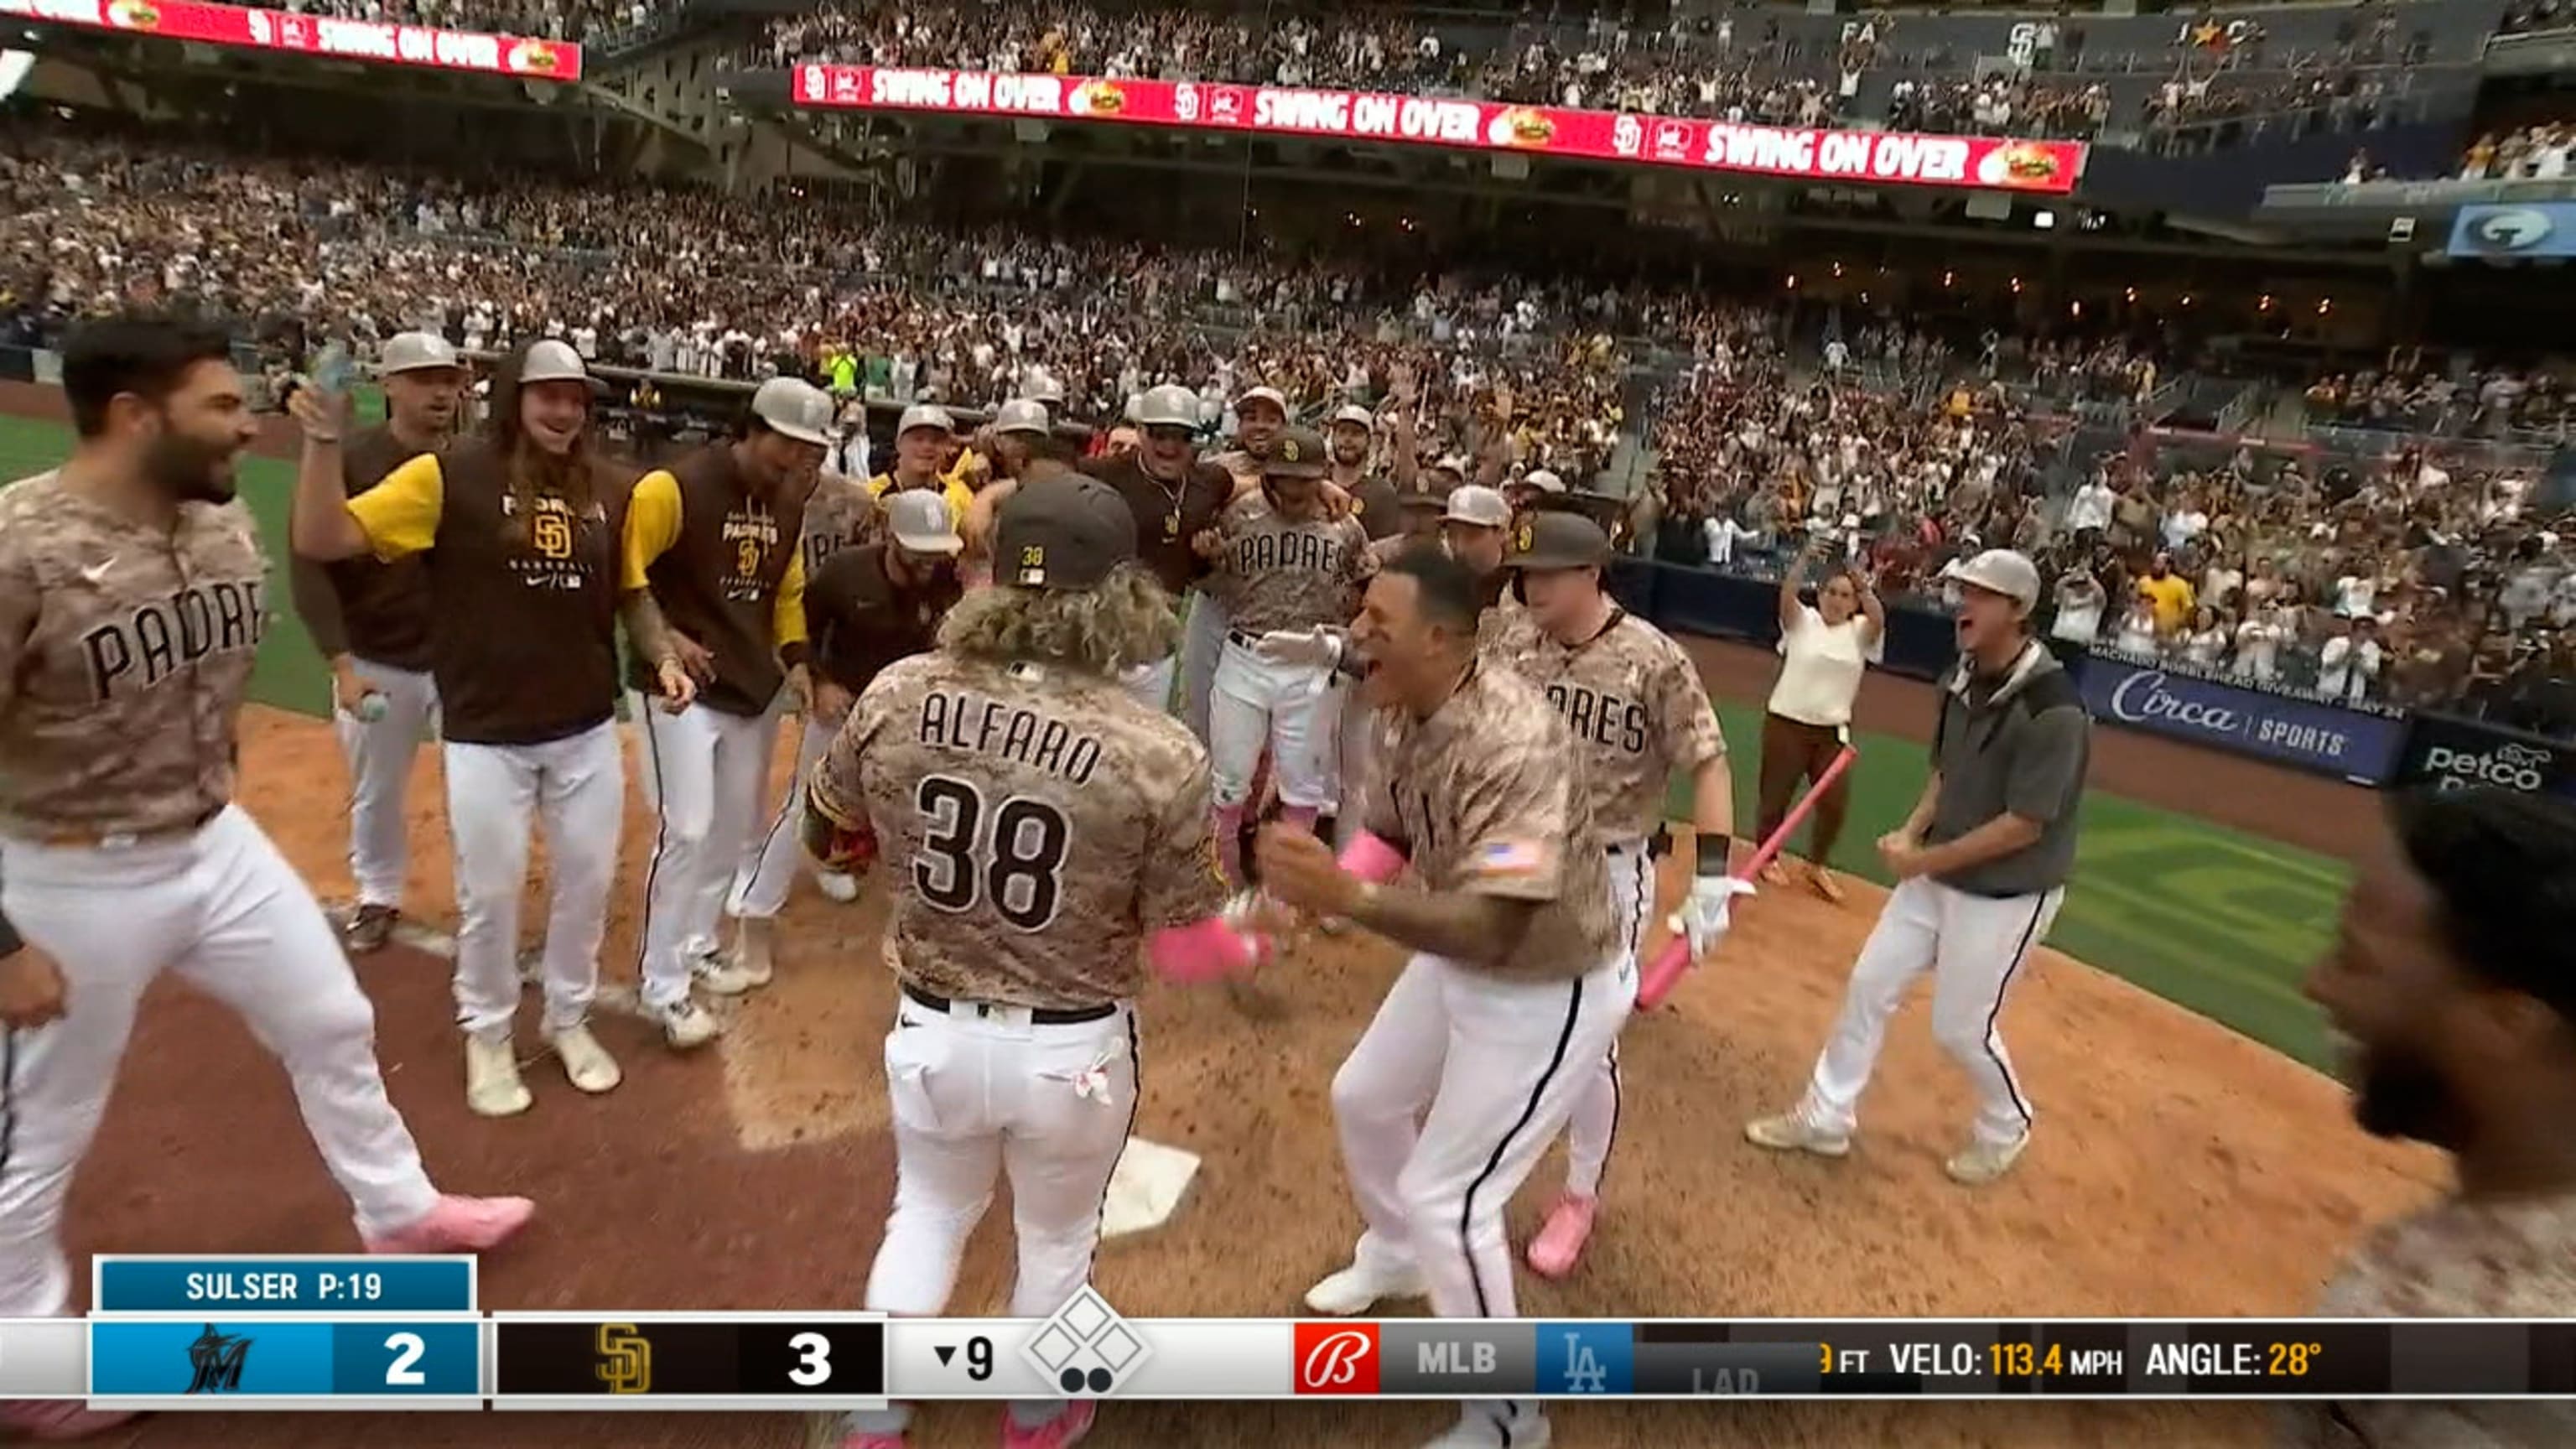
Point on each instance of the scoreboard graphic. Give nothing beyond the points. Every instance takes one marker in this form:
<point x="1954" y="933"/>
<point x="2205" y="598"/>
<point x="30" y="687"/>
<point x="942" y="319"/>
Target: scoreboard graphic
<point x="275" y="1333"/>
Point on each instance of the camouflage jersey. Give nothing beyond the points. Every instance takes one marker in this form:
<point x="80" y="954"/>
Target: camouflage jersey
<point x="1481" y="799"/>
<point x="1045" y="824"/>
<point x="125" y="649"/>
<point x="1283" y="573"/>
<point x="1631" y="699"/>
<point x="2456" y="1259"/>
<point x="839" y="514"/>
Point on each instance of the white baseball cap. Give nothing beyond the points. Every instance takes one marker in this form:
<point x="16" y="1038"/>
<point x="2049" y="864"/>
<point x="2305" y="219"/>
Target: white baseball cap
<point x="1021" y="415"/>
<point x="414" y="352"/>
<point x="1476" y="504"/>
<point x="1544" y="481"/>
<point x="1270" y="395"/>
<point x="553" y="361"/>
<point x="925" y="415"/>
<point x="1354" y="413"/>
<point x="1454" y="463"/>
<point x="919" y="520"/>
<point x="2002" y="571"/>
<point x="794" y="408"/>
<point x="1042" y="387"/>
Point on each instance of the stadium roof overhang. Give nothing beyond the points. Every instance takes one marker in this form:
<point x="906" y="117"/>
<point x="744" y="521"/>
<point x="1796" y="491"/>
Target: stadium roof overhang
<point x="153" y="62"/>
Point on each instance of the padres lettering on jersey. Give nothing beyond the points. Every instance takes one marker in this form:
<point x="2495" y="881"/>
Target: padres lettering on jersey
<point x="1282" y="573"/>
<point x="1632" y="701"/>
<point x="125" y="651"/>
<point x="1488" y="796"/>
<point x="1044" y="822"/>
<point x="840" y="514"/>
<point x="719" y="562"/>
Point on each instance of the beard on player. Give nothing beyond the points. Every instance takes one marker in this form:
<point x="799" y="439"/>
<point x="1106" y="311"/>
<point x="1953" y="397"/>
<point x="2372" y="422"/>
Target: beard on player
<point x="193" y="468"/>
<point x="1123" y="621"/>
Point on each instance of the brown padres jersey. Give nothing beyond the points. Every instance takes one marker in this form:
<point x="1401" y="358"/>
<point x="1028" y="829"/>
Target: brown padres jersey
<point x="2457" y="1259"/>
<point x="1634" y="705"/>
<point x="1484" y="797"/>
<point x="1284" y="573"/>
<point x="362" y="606"/>
<point x="124" y="652"/>
<point x="861" y="622"/>
<point x="1168" y="515"/>
<point x="1045" y="824"/>
<point x="727" y="568"/>
<point x="839" y="514"/>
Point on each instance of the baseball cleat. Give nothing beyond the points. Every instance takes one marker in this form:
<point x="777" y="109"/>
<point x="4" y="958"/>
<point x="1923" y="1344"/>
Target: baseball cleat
<point x="1791" y="1132"/>
<point x="1498" y="1426"/>
<point x="753" y="937"/>
<point x="369" y="928"/>
<point x="492" y="1084"/>
<point x="586" y="1064"/>
<point x="458" y="1225"/>
<point x="839" y="885"/>
<point x="1059" y="1432"/>
<point x="684" y="1023"/>
<point x="723" y="976"/>
<point x="56" y="1421"/>
<point x="1559" y="1245"/>
<point x="1361" y="1286"/>
<point x="1822" y="882"/>
<point x="1984" y="1161"/>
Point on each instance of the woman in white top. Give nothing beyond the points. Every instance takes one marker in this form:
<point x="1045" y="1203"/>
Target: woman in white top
<point x="1823" y="652"/>
<point x="2205" y="646"/>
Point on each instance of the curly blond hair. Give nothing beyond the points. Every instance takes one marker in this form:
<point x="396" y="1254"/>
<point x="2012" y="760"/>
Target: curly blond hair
<point x="1126" y="621"/>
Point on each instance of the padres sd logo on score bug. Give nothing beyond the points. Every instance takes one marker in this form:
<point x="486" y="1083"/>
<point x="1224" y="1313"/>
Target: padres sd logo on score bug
<point x="625" y="1359"/>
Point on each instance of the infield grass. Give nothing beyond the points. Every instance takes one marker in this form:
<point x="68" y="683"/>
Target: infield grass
<point x="2218" y="921"/>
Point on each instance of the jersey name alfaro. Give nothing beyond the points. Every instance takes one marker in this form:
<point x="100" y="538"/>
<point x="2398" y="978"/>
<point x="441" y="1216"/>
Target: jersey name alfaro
<point x="1018" y="734"/>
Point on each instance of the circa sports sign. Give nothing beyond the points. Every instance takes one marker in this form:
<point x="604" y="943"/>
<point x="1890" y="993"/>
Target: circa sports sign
<point x="1859" y="157"/>
<point x="2358" y="744"/>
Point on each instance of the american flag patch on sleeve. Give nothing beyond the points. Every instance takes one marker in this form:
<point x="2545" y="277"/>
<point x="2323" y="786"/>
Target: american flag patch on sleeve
<point x="1513" y="857"/>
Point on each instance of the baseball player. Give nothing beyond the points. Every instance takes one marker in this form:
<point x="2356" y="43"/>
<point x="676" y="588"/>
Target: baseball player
<point x="924" y="437"/>
<point x="518" y="529"/>
<point x="840" y="514"/>
<point x="1260" y="415"/>
<point x="371" y="622"/>
<point x="1518" y="984"/>
<point x="1639" y="714"/>
<point x="1374" y="499"/>
<point x="715" y="540"/>
<point x="1980" y="866"/>
<point x="1056" y="836"/>
<point x="868" y="607"/>
<point x="1284" y="563"/>
<point x="132" y="603"/>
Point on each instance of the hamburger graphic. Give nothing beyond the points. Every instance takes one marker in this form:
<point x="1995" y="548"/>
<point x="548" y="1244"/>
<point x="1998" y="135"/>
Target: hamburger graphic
<point x="534" y="57"/>
<point x="2023" y="163"/>
<point x="134" y="15"/>
<point x="1098" y="98"/>
<point x="1520" y="126"/>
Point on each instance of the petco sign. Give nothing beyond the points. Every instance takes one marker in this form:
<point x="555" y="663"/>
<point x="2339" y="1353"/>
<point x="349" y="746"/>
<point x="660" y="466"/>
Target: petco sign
<point x="2459" y="754"/>
<point x="2356" y="744"/>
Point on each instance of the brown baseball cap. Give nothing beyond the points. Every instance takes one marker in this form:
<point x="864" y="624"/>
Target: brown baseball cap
<point x="1062" y="533"/>
<point x="1299" y="453"/>
<point x="1557" y="541"/>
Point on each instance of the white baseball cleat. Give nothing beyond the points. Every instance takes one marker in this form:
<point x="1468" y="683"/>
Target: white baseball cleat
<point x="684" y="1023"/>
<point x="1521" y="1424"/>
<point x="1359" y="1287"/>
<point x="726" y="975"/>
<point x="752" y="962"/>
<point x="492" y="1084"/>
<point x="1985" y="1161"/>
<point x="586" y="1064"/>
<point x="1792" y="1132"/>
<point x="839" y="885"/>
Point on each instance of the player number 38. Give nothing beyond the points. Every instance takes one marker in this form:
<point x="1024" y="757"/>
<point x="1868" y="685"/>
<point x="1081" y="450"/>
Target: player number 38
<point x="1009" y="856"/>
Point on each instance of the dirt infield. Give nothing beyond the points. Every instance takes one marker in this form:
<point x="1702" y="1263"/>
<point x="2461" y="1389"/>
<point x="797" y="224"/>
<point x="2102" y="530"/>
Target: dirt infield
<point x="2180" y="1170"/>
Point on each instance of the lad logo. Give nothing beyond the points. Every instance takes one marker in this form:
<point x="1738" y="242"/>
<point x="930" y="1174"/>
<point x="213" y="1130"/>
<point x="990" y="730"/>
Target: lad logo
<point x="1586" y="1358"/>
<point x="218" y="1359"/>
<point x="1337" y="1358"/>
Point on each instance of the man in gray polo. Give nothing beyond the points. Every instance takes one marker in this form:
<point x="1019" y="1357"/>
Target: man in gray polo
<point x="1981" y="868"/>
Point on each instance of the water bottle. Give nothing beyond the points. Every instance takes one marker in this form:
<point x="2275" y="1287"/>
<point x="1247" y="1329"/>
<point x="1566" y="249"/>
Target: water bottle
<point x="335" y="370"/>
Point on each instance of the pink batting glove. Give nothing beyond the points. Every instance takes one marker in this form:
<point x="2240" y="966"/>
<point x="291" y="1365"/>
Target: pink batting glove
<point x="1205" y="951"/>
<point x="1372" y="859"/>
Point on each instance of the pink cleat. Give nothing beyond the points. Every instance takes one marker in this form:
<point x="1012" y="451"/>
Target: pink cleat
<point x="1559" y="1245"/>
<point x="458" y="1225"/>
<point x="1061" y="1432"/>
<point x="56" y="1421"/>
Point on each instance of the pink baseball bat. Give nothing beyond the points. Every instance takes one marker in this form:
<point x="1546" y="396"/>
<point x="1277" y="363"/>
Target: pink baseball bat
<point x="1665" y="971"/>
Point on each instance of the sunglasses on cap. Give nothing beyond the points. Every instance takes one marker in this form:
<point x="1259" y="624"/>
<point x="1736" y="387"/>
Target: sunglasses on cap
<point x="1168" y="434"/>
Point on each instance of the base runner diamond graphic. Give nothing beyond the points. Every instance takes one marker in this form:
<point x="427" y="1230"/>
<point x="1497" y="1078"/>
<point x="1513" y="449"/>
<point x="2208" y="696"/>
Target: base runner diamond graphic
<point x="1087" y="1350"/>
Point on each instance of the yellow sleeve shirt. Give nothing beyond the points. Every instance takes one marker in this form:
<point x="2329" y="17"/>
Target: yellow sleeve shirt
<point x="952" y="488"/>
<point x="652" y="526"/>
<point x="400" y="514"/>
<point x="787" y="614"/>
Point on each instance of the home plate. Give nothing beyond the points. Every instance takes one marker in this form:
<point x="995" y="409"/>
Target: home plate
<point x="1146" y="1186"/>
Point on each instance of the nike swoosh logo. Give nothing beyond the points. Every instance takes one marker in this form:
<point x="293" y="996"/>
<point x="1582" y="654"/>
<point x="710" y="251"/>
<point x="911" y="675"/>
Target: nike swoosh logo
<point x="97" y="574"/>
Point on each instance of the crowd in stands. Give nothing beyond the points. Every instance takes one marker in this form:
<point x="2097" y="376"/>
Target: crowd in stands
<point x="2530" y="153"/>
<point x="594" y="22"/>
<point x="2529" y="17"/>
<point x="2404" y="396"/>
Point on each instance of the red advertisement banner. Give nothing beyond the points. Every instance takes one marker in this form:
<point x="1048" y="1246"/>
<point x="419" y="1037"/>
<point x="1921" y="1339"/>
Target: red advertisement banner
<point x="375" y="41"/>
<point x="1849" y="157"/>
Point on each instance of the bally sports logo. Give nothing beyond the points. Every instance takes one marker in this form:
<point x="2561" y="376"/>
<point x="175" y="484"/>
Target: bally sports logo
<point x="1337" y="1358"/>
<point x="2509" y="767"/>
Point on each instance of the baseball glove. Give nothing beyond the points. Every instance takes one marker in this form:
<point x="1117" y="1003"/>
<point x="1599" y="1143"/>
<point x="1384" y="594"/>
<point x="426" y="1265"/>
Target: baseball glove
<point x="846" y="849"/>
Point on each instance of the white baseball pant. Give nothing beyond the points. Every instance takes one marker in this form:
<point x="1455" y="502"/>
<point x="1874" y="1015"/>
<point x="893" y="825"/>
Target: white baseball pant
<point x="1358" y="756"/>
<point x="1974" y="946"/>
<point x="771" y="858"/>
<point x="1151" y="684"/>
<point x="1291" y="708"/>
<point x="222" y="908"/>
<point x="1593" y="1127"/>
<point x="704" y="772"/>
<point x="380" y="753"/>
<point x="574" y="789"/>
<point x="1444" y="1107"/>
<point x="1203" y="633"/>
<point x="981" y="1092"/>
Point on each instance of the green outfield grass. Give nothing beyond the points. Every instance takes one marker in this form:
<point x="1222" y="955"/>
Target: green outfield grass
<point x="2216" y="920"/>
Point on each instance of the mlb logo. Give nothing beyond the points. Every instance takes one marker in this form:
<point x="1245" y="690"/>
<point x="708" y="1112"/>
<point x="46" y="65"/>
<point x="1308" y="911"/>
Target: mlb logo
<point x="1337" y="1358"/>
<point x="1586" y="1358"/>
